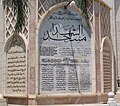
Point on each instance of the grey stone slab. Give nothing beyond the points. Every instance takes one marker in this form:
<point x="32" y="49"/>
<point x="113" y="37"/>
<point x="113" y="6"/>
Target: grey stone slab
<point x="3" y="102"/>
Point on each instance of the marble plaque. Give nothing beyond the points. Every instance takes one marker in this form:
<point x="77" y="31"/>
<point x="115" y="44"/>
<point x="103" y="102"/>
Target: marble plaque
<point x="107" y="68"/>
<point x="16" y="74"/>
<point x="65" y="53"/>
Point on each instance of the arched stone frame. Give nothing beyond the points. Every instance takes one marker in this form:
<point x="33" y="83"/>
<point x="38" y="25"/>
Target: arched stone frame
<point x="38" y="41"/>
<point x="18" y="50"/>
<point x="109" y="43"/>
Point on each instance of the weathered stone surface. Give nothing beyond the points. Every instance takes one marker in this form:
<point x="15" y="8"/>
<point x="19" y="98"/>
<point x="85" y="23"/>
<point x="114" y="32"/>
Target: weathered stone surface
<point x="3" y="102"/>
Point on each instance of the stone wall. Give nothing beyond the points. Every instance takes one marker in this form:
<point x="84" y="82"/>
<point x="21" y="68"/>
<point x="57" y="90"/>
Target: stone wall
<point x="33" y="96"/>
<point x="1" y="44"/>
<point x="117" y="18"/>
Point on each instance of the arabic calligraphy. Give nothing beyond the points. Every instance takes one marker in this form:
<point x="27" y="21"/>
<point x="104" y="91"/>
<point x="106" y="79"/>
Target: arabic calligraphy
<point x="107" y="67"/>
<point x="65" y="13"/>
<point x="63" y="18"/>
<point x="59" y="16"/>
<point x="65" y="48"/>
<point x="65" y="33"/>
<point x="16" y="70"/>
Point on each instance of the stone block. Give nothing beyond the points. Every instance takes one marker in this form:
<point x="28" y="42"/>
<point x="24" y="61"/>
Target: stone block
<point x="3" y="102"/>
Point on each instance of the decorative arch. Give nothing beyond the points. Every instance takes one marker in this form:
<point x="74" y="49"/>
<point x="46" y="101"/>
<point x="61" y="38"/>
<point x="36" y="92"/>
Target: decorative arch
<point x="107" y="65"/>
<point x="15" y="82"/>
<point x="63" y="62"/>
<point x="19" y="40"/>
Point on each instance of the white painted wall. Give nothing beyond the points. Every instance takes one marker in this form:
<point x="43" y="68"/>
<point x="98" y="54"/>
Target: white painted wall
<point x="1" y="44"/>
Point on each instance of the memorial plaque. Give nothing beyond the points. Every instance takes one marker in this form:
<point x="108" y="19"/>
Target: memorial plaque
<point x="65" y="53"/>
<point x="107" y="67"/>
<point x="16" y="74"/>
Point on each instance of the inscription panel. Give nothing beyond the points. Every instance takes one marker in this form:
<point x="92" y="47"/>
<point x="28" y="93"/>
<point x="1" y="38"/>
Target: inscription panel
<point x="65" y="53"/>
<point x="107" y="68"/>
<point x="16" y="74"/>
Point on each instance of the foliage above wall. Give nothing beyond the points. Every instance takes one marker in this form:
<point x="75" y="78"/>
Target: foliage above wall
<point x="19" y="9"/>
<point x="82" y="4"/>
